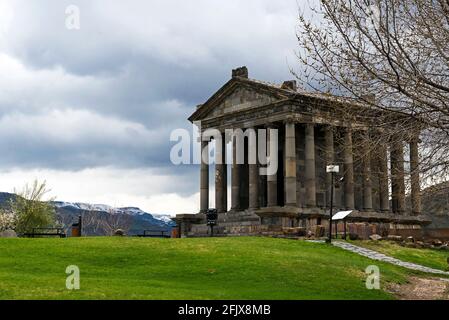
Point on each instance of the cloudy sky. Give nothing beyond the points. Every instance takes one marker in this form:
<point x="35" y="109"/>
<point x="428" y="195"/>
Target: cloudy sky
<point x="91" y="110"/>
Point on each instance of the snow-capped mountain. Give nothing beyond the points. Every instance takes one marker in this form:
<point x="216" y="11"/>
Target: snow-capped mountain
<point x="163" y="217"/>
<point x="83" y="206"/>
<point x="102" y="220"/>
<point x="132" y="211"/>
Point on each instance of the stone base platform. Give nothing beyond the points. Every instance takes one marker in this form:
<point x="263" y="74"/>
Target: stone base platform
<point x="279" y="221"/>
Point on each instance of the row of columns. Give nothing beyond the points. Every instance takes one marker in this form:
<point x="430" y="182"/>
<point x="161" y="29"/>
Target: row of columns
<point x="290" y="168"/>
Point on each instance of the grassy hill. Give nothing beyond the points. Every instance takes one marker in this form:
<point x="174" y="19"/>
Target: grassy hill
<point x="218" y="268"/>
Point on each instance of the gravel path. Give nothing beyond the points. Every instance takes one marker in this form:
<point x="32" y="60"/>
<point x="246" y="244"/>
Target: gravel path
<point x="421" y="289"/>
<point x="384" y="258"/>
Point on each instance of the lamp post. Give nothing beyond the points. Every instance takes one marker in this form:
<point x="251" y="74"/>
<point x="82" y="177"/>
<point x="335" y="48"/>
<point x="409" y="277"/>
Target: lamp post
<point x="212" y="217"/>
<point x="332" y="169"/>
<point x="80" y="225"/>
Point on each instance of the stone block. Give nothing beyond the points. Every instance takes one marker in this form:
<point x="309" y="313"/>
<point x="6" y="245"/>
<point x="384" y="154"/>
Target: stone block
<point x="297" y="231"/>
<point x="320" y="231"/>
<point x="353" y="236"/>
<point x="410" y="239"/>
<point x="375" y="237"/>
<point x="383" y="229"/>
<point x="363" y="230"/>
<point x="427" y="245"/>
<point x="392" y="237"/>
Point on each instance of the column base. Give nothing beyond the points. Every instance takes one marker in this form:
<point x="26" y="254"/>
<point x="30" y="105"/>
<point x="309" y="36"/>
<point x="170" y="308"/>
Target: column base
<point x="290" y="205"/>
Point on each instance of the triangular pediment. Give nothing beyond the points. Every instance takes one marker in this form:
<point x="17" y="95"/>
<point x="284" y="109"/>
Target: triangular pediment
<point x="237" y="96"/>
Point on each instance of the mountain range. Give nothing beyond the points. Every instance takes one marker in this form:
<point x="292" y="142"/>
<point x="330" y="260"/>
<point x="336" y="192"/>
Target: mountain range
<point x="101" y="220"/>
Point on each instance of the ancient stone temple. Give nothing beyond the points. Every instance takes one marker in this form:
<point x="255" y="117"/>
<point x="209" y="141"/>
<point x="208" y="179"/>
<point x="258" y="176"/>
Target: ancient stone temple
<point x="313" y="131"/>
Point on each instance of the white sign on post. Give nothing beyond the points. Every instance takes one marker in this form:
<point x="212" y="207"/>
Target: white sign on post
<point x="333" y="169"/>
<point x="341" y="215"/>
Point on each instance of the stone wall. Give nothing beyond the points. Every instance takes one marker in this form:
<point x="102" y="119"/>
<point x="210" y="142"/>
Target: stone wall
<point x="247" y="224"/>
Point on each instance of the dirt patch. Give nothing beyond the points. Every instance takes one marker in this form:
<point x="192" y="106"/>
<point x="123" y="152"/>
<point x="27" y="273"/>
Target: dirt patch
<point x="422" y="289"/>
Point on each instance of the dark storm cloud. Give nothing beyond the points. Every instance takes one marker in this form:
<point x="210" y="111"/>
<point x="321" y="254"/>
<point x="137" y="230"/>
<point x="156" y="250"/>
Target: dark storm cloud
<point x="110" y="93"/>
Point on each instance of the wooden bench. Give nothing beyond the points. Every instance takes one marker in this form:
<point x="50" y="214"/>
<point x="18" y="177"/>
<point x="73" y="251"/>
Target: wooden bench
<point x="155" y="234"/>
<point x="46" y="232"/>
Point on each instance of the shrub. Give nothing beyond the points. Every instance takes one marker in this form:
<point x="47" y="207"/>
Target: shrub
<point x="7" y="220"/>
<point x="30" y="210"/>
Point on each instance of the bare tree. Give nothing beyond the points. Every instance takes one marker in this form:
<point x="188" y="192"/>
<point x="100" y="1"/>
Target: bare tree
<point x="390" y="55"/>
<point x="116" y="220"/>
<point x="91" y="221"/>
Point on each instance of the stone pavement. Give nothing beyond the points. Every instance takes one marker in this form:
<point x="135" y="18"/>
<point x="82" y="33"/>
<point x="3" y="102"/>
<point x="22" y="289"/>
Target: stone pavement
<point x="384" y="258"/>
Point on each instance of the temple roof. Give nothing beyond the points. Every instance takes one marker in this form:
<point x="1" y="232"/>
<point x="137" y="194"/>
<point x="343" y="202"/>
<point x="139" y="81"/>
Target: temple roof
<point x="280" y="92"/>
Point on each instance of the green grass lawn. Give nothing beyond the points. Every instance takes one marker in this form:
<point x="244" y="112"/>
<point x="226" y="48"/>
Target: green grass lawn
<point x="432" y="258"/>
<point x="218" y="268"/>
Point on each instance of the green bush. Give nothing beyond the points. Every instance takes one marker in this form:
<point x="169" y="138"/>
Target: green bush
<point x="31" y="210"/>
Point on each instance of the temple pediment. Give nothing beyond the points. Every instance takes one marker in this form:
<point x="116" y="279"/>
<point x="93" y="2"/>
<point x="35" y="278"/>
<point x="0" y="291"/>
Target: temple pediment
<point x="238" y="95"/>
<point x="239" y="99"/>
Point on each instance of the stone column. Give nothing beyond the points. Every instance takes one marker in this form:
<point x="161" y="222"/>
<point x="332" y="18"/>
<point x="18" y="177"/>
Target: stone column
<point x="310" y="177"/>
<point x="220" y="177"/>
<point x="235" y="172"/>
<point x="414" y="177"/>
<point x="348" y="169"/>
<point x="225" y="178"/>
<point x="330" y="159"/>
<point x="383" y="178"/>
<point x="290" y="165"/>
<point x="397" y="180"/>
<point x="204" y="178"/>
<point x="253" y="176"/>
<point x="272" y="185"/>
<point x="366" y="174"/>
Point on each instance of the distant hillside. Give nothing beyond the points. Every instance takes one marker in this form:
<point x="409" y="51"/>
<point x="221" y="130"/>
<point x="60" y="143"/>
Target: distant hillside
<point x="102" y="220"/>
<point x="435" y="203"/>
<point x="5" y="199"/>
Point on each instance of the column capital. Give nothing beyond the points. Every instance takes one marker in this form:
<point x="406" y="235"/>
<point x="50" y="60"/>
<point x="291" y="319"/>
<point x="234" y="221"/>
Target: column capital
<point x="414" y="138"/>
<point x="271" y="126"/>
<point x="202" y="138"/>
<point x="289" y="119"/>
